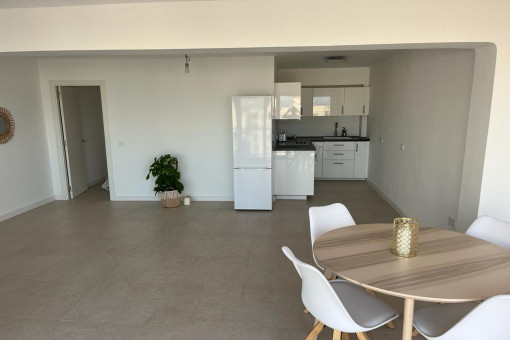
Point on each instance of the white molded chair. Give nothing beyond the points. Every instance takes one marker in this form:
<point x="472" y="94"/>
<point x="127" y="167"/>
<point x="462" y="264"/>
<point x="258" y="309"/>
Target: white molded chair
<point x="465" y="321"/>
<point x="491" y="229"/>
<point x="338" y="304"/>
<point x="326" y="218"/>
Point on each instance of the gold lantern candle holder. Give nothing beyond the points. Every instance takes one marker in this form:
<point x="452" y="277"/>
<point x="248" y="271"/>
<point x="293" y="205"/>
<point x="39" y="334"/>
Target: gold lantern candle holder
<point x="405" y="237"/>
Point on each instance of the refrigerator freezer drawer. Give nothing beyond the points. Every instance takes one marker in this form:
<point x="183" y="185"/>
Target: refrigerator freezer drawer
<point x="252" y="189"/>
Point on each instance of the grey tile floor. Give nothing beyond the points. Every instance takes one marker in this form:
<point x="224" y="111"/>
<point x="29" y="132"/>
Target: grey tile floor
<point x="95" y="269"/>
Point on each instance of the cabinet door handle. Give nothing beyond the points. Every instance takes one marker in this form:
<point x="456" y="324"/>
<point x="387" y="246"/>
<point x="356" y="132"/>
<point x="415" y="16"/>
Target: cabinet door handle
<point x="340" y="154"/>
<point x="339" y="145"/>
<point x="356" y="147"/>
<point x="343" y="109"/>
<point x="338" y="163"/>
<point x="302" y="110"/>
<point x="363" y="109"/>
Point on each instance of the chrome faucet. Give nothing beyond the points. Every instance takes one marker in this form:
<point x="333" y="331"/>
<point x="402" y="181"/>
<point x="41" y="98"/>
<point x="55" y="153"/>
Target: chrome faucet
<point x="336" y="129"/>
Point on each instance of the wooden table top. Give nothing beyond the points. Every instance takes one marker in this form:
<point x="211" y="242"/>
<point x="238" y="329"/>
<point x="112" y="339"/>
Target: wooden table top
<point x="449" y="267"/>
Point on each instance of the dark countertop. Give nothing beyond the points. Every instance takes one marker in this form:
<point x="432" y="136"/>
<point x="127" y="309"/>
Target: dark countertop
<point x="340" y="139"/>
<point x="308" y="147"/>
<point x="288" y="146"/>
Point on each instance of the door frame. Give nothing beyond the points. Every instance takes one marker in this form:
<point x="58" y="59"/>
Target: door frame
<point x="61" y="153"/>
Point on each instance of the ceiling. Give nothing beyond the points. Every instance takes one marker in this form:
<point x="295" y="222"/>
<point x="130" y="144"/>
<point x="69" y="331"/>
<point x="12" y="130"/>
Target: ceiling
<point x="316" y="59"/>
<point x="57" y="3"/>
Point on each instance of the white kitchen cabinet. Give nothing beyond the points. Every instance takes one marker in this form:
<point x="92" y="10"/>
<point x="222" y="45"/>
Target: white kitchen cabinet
<point x="338" y="169"/>
<point x="356" y="101"/>
<point x="319" y="146"/>
<point x="287" y="100"/>
<point x="345" y="160"/>
<point x="339" y="146"/>
<point x="361" y="160"/>
<point x="328" y="102"/>
<point x="307" y="101"/>
<point x="293" y="174"/>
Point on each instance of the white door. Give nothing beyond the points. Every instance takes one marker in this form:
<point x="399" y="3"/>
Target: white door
<point x="293" y="173"/>
<point x="253" y="189"/>
<point x="252" y="130"/>
<point x="355" y="101"/>
<point x="287" y="100"/>
<point x="328" y="101"/>
<point x="318" y="159"/>
<point x="73" y="139"/>
<point x="307" y="101"/>
<point x="361" y="160"/>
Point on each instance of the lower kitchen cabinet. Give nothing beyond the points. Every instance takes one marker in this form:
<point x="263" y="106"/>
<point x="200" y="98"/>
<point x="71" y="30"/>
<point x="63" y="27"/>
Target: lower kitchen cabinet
<point x="345" y="160"/>
<point x="293" y="173"/>
<point x="361" y="160"/>
<point x="336" y="168"/>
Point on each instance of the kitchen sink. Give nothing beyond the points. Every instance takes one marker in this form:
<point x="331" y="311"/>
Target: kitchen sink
<point x="337" y="138"/>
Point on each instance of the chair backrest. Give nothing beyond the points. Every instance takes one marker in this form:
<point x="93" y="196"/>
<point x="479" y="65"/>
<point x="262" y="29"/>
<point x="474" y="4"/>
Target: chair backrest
<point x="319" y="297"/>
<point x="491" y="229"/>
<point x="489" y="320"/>
<point x="326" y="218"/>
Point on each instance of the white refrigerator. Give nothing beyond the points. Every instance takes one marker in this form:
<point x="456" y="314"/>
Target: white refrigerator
<point x="252" y="137"/>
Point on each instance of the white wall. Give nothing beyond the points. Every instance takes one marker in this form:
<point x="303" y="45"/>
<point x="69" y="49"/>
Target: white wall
<point x="320" y="126"/>
<point x="91" y="116"/>
<point x="326" y="76"/>
<point x="229" y="25"/>
<point x="25" y="180"/>
<point x="420" y="99"/>
<point x="324" y="126"/>
<point x="476" y="139"/>
<point x="153" y="107"/>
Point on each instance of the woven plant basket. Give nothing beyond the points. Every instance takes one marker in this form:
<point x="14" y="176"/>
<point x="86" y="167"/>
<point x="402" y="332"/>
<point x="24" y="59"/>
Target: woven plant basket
<point x="170" y="199"/>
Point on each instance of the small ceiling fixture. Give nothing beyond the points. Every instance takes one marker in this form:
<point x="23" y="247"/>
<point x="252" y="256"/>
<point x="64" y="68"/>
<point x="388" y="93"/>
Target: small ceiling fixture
<point x="186" y="65"/>
<point x="335" y="59"/>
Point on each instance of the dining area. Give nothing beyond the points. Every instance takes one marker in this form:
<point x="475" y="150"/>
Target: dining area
<point x="453" y="285"/>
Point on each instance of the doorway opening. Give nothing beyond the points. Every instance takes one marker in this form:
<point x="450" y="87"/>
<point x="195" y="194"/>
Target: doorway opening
<point x="83" y="138"/>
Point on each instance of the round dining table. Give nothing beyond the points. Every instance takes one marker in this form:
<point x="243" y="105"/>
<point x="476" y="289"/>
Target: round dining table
<point x="450" y="267"/>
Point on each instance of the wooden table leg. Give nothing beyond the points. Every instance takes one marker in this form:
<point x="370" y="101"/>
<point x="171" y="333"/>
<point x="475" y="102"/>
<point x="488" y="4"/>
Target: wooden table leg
<point x="408" y="319"/>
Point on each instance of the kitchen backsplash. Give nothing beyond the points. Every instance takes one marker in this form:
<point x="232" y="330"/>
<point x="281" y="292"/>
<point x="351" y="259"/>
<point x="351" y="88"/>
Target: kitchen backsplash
<point x="320" y="126"/>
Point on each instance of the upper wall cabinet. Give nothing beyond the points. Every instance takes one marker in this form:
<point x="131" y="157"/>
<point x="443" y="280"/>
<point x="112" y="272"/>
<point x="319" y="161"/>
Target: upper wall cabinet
<point x="348" y="101"/>
<point x="356" y="101"/>
<point x="306" y="101"/>
<point x="287" y="100"/>
<point x="328" y="101"/>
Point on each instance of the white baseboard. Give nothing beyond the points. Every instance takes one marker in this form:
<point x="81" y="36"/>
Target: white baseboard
<point x="26" y="208"/>
<point x="212" y="198"/>
<point x="156" y="198"/>
<point x="134" y="198"/>
<point x="291" y="197"/>
<point x="386" y="198"/>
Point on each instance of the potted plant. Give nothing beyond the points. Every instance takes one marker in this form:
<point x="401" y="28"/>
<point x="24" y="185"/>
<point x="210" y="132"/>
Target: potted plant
<point x="168" y="184"/>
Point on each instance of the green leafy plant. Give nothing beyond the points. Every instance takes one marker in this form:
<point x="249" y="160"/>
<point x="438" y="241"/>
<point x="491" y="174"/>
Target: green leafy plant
<point x="165" y="170"/>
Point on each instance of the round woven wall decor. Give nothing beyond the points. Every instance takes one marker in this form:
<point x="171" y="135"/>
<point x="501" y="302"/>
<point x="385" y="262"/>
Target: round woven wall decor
<point x="6" y="117"/>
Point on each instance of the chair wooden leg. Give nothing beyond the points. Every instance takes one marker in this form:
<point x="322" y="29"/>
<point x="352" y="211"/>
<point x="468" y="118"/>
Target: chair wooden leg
<point x="315" y="331"/>
<point x="415" y="332"/>
<point x="345" y="336"/>
<point x="337" y="334"/>
<point x="306" y="311"/>
<point x="389" y="324"/>
<point x="362" y="336"/>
